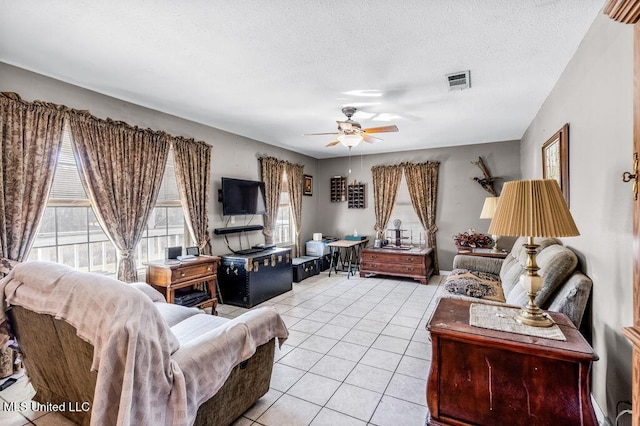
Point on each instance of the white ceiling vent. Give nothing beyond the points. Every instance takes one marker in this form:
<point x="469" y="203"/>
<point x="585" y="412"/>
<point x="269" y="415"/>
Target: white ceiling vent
<point x="459" y="80"/>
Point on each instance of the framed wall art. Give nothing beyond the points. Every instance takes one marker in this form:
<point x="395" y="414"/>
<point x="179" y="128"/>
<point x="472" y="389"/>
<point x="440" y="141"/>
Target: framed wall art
<point x="307" y="186"/>
<point x="555" y="159"/>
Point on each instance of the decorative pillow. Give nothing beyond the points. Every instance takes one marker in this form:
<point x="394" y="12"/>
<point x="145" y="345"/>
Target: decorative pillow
<point x="480" y="285"/>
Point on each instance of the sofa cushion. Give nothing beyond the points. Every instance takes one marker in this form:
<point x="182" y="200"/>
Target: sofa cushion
<point x="476" y="284"/>
<point x="556" y="263"/>
<point x="513" y="265"/>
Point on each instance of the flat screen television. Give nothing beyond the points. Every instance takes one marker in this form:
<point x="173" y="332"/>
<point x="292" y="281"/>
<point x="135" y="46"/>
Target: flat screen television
<point x="242" y="197"/>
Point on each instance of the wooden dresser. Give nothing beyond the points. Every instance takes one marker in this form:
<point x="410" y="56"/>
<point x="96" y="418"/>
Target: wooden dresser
<point x="416" y="263"/>
<point x="490" y="377"/>
<point x="167" y="277"/>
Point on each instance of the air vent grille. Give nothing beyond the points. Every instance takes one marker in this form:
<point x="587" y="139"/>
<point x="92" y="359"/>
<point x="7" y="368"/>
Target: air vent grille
<point x="459" y="80"/>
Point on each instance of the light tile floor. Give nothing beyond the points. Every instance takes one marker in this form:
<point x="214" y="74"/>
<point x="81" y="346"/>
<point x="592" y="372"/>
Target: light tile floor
<point x="357" y="354"/>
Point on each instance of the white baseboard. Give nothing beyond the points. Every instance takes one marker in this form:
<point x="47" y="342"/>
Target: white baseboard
<point x="602" y="419"/>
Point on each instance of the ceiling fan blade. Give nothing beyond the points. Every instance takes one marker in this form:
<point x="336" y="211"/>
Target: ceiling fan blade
<point x="336" y="142"/>
<point x="368" y="138"/>
<point x="316" y="134"/>
<point x="383" y="129"/>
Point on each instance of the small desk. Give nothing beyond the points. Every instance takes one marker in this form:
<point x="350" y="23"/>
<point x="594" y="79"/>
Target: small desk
<point x="167" y="277"/>
<point x="490" y="377"/>
<point x="350" y="253"/>
<point x="482" y="252"/>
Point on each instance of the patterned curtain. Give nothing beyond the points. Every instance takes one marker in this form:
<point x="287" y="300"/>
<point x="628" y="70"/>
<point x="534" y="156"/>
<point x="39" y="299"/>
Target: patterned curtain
<point x="193" y="173"/>
<point x="121" y="169"/>
<point x="272" y="169"/>
<point x="422" y="180"/>
<point x="31" y="136"/>
<point x="385" y="189"/>
<point x="295" y="177"/>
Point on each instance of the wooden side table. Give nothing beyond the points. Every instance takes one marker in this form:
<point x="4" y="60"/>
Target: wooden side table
<point x="167" y="277"/>
<point x="489" y="377"/>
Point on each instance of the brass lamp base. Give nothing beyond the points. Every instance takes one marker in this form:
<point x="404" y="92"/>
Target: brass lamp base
<point x="532" y="315"/>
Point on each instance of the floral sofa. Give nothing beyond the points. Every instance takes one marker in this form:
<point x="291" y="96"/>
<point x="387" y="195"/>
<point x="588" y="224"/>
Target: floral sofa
<point x="565" y="289"/>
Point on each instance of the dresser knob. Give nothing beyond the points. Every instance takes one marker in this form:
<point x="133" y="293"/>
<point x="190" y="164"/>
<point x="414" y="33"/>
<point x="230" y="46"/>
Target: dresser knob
<point x="209" y="268"/>
<point x="182" y="274"/>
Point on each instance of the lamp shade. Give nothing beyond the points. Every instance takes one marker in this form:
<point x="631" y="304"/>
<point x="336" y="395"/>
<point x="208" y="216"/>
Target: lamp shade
<point x="489" y="207"/>
<point x="533" y="208"/>
<point x="350" y="140"/>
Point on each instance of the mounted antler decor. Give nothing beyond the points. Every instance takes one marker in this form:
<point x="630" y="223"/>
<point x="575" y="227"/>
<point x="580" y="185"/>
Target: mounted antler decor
<point x="487" y="181"/>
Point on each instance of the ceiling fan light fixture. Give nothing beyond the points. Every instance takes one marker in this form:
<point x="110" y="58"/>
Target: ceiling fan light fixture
<point x="350" y="140"/>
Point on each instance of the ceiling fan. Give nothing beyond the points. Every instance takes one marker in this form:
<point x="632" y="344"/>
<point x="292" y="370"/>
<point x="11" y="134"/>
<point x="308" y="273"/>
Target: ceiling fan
<point x="351" y="132"/>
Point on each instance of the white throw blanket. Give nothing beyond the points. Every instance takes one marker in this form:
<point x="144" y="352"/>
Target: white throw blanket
<point x="146" y="375"/>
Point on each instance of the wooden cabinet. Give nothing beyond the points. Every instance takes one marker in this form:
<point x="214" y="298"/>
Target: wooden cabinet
<point x="416" y="263"/>
<point x="356" y="196"/>
<point x="338" y="189"/>
<point x="249" y="279"/>
<point x="489" y="377"/>
<point x="169" y="276"/>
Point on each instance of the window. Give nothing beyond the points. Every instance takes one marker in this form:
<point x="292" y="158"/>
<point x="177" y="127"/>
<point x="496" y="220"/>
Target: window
<point x="403" y="210"/>
<point x="71" y="234"/>
<point x="283" y="232"/>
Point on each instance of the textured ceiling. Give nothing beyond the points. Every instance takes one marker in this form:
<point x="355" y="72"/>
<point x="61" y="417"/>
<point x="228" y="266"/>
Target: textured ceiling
<point x="273" y="70"/>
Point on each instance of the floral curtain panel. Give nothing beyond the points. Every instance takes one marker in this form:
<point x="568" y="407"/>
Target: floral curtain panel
<point x="193" y="173"/>
<point x="272" y="169"/>
<point x="295" y="176"/>
<point x="385" y="189"/>
<point x="121" y="168"/>
<point x="422" y="180"/>
<point x="31" y="135"/>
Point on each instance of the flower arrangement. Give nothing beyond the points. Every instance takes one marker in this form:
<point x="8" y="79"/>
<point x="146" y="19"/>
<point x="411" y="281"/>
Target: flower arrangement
<point x="471" y="238"/>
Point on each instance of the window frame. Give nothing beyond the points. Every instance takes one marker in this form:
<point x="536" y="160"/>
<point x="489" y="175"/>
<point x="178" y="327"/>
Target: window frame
<point x="276" y="229"/>
<point x="85" y="203"/>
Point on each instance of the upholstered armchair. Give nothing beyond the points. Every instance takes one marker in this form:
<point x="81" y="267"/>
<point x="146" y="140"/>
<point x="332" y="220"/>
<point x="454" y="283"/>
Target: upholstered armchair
<point x="130" y="358"/>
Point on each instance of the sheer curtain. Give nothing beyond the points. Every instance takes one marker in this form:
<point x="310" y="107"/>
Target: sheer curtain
<point x="272" y="169"/>
<point x="121" y="168"/>
<point x="385" y="189"/>
<point x="31" y="135"/>
<point x="295" y="176"/>
<point x="193" y="173"/>
<point x="422" y="180"/>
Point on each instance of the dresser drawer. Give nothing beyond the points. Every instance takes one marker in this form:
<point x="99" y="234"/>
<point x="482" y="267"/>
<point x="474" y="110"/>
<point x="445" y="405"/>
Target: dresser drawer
<point x="187" y="273"/>
<point x="382" y="257"/>
<point x="394" y="268"/>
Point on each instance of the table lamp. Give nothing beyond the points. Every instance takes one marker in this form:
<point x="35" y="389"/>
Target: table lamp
<point x="488" y="210"/>
<point x="532" y="208"/>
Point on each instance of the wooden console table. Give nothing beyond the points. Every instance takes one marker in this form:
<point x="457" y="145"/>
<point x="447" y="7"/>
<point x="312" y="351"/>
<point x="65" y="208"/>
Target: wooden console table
<point x="167" y="277"/>
<point x="489" y="377"/>
<point x="416" y="263"/>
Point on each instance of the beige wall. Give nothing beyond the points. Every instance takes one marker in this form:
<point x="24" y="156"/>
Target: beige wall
<point x="233" y="155"/>
<point x="460" y="198"/>
<point x="594" y="95"/>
